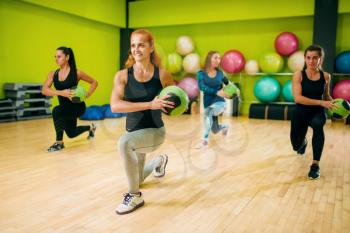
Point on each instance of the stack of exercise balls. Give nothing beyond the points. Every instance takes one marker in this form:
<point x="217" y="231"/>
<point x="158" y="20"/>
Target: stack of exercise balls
<point x="183" y="63"/>
<point x="286" y="45"/>
<point x="190" y="65"/>
<point x="190" y="60"/>
<point x="184" y="58"/>
<point x="267" y="89"/>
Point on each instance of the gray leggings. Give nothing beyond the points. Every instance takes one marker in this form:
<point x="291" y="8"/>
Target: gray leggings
<point x="133" y="147"/>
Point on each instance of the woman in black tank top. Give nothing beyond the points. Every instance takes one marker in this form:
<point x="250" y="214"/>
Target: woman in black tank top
<point x="66" y="113"/>
<point x="311" y="93"/>
<point x="135" y="92"/>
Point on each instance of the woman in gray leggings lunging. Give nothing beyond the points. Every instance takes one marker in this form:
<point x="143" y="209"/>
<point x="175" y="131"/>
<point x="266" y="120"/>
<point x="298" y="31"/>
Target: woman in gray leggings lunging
<point x="135" y="91"/>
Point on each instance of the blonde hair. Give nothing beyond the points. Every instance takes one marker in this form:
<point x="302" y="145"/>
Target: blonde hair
<point x="207" y="63"/>
<point x="155" y="59"/>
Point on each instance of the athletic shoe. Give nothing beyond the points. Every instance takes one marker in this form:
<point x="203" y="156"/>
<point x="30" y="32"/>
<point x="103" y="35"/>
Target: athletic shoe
<point x="201" y="145"/>
<point x="160" y="170"/>
<point x="92" y="131"/>
<point x="55" y="147"/>
<point x="314" y="172"/>
<point x="130" y="203"/>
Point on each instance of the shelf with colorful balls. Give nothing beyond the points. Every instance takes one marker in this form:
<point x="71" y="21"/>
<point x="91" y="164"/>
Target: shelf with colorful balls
<point x="185" y="61"/>
<point x="267" y="90"/>
<point x="342" y="76"/>
<point x="271" y="69"/>
<point x="341" y="86"/>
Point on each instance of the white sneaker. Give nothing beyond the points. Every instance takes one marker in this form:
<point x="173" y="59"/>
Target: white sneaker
<point x="160" y="170"/>
<point x="130" y="203"/>
<point x="201" y="145"/>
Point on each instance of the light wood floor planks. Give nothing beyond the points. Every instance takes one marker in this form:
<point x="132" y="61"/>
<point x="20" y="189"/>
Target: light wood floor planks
<point x="250" y="181"/>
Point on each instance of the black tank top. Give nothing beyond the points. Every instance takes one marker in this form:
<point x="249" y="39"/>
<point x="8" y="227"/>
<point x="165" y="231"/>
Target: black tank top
<point x="69" y="82"/>
<point x="136" y="91"/>
<point x="313" y="89"/>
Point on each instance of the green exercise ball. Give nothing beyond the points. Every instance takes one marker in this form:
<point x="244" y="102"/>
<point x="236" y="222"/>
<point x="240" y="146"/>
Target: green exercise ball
<point x="178" y="97"/>
<point x="79" y="94"/>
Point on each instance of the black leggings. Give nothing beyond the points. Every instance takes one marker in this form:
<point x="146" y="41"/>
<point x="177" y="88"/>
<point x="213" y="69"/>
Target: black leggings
<point x="305" y="116"/>
<point x="65" y="119"/>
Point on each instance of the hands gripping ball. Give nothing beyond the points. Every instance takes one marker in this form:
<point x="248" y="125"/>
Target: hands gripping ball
<point x="341" y="111"/>
<point x="178" y="97"/>
<point x="231" y="89"/>
<point x="79" y="94"/>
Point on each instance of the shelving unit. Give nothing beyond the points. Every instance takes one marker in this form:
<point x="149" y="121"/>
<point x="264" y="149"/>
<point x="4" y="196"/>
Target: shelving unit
<point x="7" y="110"/>
<point x="280" y="110"/>
<point x="27" y="100"/>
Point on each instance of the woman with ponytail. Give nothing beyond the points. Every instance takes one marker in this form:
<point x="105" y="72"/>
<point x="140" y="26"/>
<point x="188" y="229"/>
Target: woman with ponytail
<point x="135" y="91"/>
<point x="311" y="88"/>
<point x="66" y="113"/>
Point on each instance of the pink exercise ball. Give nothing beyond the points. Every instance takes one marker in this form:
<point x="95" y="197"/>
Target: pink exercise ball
<point x="190" y="86"/>
<point x="233" y="61"/>
<point x="342" y="90"/>
<point x="286" y="43"/>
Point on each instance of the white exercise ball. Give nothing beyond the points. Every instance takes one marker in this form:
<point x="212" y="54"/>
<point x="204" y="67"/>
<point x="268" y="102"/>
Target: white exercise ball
<point x="191" y="63"/>
<point x="296" y="61"/>
<point x="184" y="45"/>
<point x="251" y="67"/>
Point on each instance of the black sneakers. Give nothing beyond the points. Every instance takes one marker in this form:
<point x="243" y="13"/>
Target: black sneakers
<point x="302" y="149"/>
<point x="55" y="147"/>
<point x="314" y="172"/>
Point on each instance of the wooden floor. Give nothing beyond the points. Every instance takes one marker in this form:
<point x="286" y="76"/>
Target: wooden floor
<point x="250" y="181"/>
